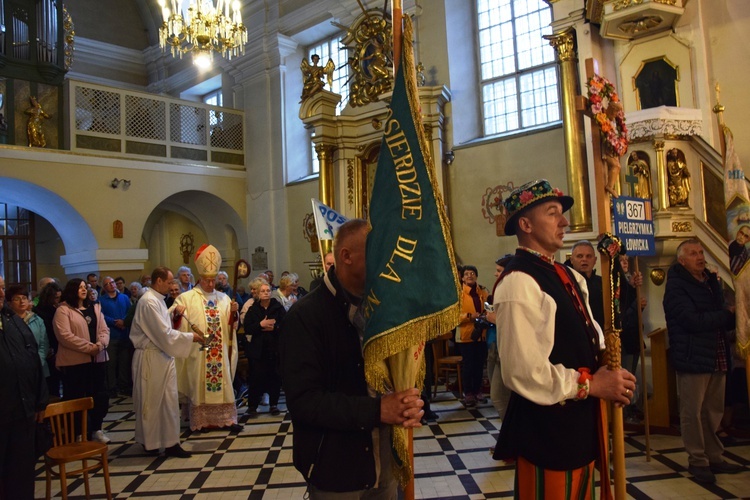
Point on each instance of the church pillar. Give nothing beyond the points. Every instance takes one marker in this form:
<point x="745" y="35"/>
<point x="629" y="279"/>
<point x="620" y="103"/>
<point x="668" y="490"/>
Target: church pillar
<point x="661" y="177"/>
<point x="575" y="152"/>
<point x="326" y="183"/>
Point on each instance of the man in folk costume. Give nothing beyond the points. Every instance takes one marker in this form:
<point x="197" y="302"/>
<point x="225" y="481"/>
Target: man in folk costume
<point x="205" y="376"/>
<point x="551" y="426"/>
<point x="157" y="415"/>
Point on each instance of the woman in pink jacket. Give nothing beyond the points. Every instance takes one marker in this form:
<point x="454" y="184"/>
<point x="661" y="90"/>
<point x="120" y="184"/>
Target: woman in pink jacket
<point x="81" y="356"/>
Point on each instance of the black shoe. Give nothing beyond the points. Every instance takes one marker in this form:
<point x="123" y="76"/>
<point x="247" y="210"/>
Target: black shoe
<point x="725" y="468"/>
<point x="235" y="427"/>
<point x="275" y="411"/>
<point x="702" y="474"/>
<point x="151" y="452"/>
<point x="430" y="416"/>
<point x="177" y="452"/>
<point x="251" y="414"/>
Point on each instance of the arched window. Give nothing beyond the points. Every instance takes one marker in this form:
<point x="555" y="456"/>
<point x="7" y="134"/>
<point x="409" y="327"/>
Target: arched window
<point x="518" y="73"/>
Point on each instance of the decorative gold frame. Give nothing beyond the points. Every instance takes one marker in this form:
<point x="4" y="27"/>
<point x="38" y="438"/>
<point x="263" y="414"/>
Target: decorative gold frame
<point x="714" y="211"/>
<point x="640" y="69"/>
<point x="369" y="42"/>
<point x="363" y="177"/>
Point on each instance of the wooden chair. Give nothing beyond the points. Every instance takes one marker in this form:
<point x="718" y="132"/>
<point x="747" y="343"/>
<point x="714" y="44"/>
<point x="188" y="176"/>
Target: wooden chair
<point x="67" y="448"/>
<point x="445" y="363"/>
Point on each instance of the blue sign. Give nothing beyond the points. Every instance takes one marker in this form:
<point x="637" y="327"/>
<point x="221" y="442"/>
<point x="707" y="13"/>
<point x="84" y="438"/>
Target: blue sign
<point x="634" y="225"/>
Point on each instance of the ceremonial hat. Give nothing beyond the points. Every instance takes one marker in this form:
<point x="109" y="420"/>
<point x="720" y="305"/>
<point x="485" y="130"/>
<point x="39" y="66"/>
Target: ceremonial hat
<point x="208" y="261"/>
<point x="529" y="195"/>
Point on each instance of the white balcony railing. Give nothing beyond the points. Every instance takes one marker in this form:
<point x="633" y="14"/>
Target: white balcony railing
<point x="124" y="123"/>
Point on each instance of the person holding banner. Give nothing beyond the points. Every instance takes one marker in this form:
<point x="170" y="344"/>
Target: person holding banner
<point x="551" y="425"/>
<point x="342" y="438"/>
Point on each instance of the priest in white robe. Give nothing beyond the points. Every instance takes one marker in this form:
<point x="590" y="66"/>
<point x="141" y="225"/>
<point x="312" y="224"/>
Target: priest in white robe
<point x="157" y="411"/>
<point x="205" y="377"/>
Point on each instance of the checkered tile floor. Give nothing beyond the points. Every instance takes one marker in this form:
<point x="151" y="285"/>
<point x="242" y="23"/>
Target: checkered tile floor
<point x="452" y="460"/>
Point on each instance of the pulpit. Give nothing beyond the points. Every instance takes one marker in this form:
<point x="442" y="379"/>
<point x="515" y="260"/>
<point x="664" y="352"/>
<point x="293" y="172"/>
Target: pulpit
<point x="663" y="403"/>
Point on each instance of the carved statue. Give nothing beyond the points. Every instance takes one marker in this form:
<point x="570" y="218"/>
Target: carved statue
<point x="313" y="76"/>
<point x="34" y="126"/>
<point x="679" y="179"/>
<point x="641" y="170"/>
<point x="611" y="157"/>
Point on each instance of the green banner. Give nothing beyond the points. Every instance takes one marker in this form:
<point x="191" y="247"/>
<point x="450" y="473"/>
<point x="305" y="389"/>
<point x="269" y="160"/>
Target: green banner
<point x="412" y="291"/>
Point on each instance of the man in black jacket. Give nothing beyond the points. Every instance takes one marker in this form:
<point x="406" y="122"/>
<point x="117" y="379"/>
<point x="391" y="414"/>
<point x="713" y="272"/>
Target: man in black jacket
<point x="697" y="322"/>
<point x="23" y="392"/>
<point x="341" y="440"/>
<point x="583" y="259"/>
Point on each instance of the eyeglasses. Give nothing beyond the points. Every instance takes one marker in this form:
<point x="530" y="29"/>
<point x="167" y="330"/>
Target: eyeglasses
<point x="469" y="273"/>
<point x="109" y="283"/>
<point x="19" y="298"/>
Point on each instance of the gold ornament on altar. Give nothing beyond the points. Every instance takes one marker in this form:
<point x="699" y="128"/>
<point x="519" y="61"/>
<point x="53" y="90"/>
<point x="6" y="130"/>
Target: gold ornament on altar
<point x="310" y="232"/>
<point x="34" y="125"/>
<point x="313" y="76"/>
<point x="371" y="56"/>
<point x="641" y="170"/>
<point x="605" y="106"/>
<point x="657" y="276"/>
<point x="678" y="176"/>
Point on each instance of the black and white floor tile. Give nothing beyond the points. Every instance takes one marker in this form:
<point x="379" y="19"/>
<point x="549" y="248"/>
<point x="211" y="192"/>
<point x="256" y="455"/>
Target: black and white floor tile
<point x="451" y="457"/>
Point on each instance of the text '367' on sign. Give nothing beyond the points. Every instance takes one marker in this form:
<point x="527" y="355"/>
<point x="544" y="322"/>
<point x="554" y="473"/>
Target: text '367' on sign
<point x="634" y="225"/>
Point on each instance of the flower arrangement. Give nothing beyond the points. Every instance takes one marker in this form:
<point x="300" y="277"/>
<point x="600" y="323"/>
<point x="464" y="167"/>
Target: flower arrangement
<point x="604" y="104"/>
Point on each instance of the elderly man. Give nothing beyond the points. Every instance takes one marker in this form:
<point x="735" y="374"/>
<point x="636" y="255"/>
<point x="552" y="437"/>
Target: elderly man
<point x="24" y="396"/>
<point x="697" y="322"/>
<point x="583" y="259"/>
<point x="206" y="376"/>
<point x="327" y="264"/>
<point x="157" y="415"/>
<point x="341" y="443"/>
<point x="547" y="330"/>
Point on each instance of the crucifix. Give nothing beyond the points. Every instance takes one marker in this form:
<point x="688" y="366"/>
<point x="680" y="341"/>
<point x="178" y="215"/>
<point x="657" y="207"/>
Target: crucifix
<point x="631" y="179"/>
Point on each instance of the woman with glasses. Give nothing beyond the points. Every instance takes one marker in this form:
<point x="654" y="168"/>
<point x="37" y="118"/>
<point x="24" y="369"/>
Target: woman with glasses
<point x="17" y="297"/>
<point x="83" y="337"/>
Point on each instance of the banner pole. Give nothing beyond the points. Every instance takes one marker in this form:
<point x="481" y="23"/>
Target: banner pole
<point x="644" y="386"/>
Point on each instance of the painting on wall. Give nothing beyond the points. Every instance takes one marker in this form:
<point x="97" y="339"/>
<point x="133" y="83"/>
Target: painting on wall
<point x="714" y="210"/>
<point x="655" y="83"/>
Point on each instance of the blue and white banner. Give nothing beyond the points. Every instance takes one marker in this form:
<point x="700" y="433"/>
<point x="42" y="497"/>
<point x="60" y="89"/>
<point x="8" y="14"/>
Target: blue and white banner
<point x="327" y="220"/>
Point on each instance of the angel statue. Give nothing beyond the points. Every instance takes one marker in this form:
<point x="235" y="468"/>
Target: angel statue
<point x="34" y="125"/>
<point x="313" y="76"/>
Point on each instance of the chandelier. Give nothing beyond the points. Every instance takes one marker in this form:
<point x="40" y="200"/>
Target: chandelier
<point x="203" y="30"/>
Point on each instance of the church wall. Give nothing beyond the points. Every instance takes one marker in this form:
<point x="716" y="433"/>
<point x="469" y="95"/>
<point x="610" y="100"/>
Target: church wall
<point x="481" y="167"/>
<point x="164" y="243"/>
<point x="298" y="196"/>
<point x="48" y="248"/>
<point x="94" y="19"/>
<point x="84" y="183"/>
<point x="727" y="29"/>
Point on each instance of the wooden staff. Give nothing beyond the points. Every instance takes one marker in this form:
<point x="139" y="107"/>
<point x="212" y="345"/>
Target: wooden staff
<point x="644" y="388"/>
<point x="611" y="336"/>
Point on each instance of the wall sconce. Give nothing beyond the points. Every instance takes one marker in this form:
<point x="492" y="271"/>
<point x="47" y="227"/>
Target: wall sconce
<point x="449" y="157"/>
<point x="117" y="182"/>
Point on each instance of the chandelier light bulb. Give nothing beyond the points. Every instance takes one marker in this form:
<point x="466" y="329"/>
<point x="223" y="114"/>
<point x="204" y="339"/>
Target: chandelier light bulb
<point x="203" y="29"/>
